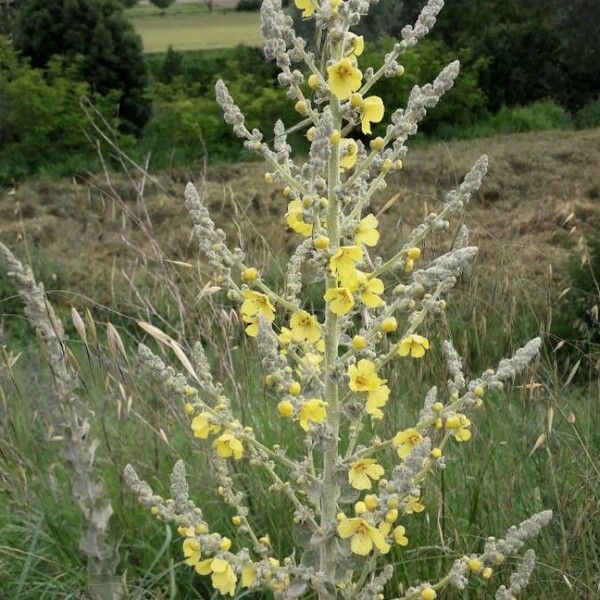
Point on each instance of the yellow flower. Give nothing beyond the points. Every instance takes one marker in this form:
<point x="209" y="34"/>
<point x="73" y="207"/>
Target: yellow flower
<point x="248" y="575"/>
<point x="344" y="78"/>
<point x="191" y="551"/>
<point x="366" y="231"/>
<point x="460" y="424"/>
<point x="413" y="506"/>
<point x="311" y="359"/>
<point x="305" y="327"/>
<point x="228" y="445"/>
<point x="399" y="536"/>
<point x="363" y="376"/>
<point x="405" y="441"/>
<point x="428" y="593"/>
<point x="306" y="6"/>
<point x="343" y="263"/>
<point x="415" y="345"/>
<point x="362" y="471"/>
<point x="285" y="408"/>
<point x="340" y="300"/>
<point x="285" y="336"/>
<point x="376" y="399"/>
<point x="312" y="411"/>
<point x="256" y="304"/>
<point x="348" y="153"/>
<point x="223" y="577"/>
<point x="364" y="536"/>
<point x="202" y="427"/>
<point x="295" y="220"/>
<point x="359" y="342"/>
<point x="372" y="112"/>
<point x="357" y="44"/>
<point x="369" y="290"/>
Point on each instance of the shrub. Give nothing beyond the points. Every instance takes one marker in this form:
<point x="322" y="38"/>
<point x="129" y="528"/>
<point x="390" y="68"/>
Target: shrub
<point x="42" y="125"/>
<point x="540" y="116"/>
<point x="96" y="35"/>
<point x="248" y="5"/>
<point x="589" y="115"/>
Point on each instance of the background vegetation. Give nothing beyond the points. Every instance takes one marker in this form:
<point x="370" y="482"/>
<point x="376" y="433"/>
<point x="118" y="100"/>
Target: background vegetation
<point x="115" y="242"/>
<point x="526" y="67"/>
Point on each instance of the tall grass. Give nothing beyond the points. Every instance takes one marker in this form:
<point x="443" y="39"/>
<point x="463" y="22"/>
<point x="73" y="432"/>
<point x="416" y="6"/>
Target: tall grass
<point x="535" y="445"/>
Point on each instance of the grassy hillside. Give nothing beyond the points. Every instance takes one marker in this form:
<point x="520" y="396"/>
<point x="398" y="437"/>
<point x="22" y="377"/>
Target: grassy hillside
<point x="189" y="26"/>
<point x="121" y="247"/>
<point x="542" y="190"/>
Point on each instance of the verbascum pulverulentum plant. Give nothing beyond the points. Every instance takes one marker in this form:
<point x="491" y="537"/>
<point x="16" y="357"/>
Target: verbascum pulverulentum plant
<point x="329" y="374"/>
<point x="71" y="421"/>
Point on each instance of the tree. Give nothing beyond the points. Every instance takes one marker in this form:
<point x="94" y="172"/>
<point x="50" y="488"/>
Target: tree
<point x="96" y="35"/>
<point x="162" y="4"/>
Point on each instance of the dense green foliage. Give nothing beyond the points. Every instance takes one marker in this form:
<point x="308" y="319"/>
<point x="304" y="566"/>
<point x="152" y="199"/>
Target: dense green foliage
<point x="95" y="35"/>
<point x="42" y="124"/>
<point x="525" y="67"/>
<point x="162" y="4"/>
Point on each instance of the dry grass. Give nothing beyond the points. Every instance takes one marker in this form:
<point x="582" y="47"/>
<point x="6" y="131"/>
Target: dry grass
<point x="542" y="190"/>
<point x="98" y="236"/>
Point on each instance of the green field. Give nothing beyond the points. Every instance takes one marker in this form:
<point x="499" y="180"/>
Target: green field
<point x="192" y="27"/>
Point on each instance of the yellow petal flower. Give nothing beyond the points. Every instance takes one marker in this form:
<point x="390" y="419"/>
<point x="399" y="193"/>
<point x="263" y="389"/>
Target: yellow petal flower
<point x="376" y="399"/>
<point x="340" y="300"/>
<point x="305" y="327"/>
<point x="312" y="411"/>
<point x="202" y="427"/>
<point x="306" y="6"/>
<point x="348" y="153"/>
<point x="256" y="305"/>
<point x="343" y="78"/>
<point x="356" y="44"/>
<point x="366" y="231"/>
<point x="191" y="551"/>
<point x="369" y="290"/>
<point x="343" y="262"/>
<point x="363" y="376"/>
<point x="364" y="536"/>
<point x="405" y="441"/>
<point x="248" y="575"/>
<point x="415" y="345"/>
<point x="362" y="471"/>
<point x="399" y="536"/>
<point x="227" y="445"/>
<point x="372" y="112"/>
<point x="295" y="219"/>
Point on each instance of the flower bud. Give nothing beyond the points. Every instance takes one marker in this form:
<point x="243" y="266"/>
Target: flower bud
<point x="377" y="144"/>
<point x="294" y="388"/>
<point x="285" y="408"/>
<point x="321" y="242"/>
<point x="359" y="342"/>
<point x="225" y="544"/>
<point x="313" y="81"/>
<point x="360" y="508"/>
<point x="414" y="253"/>
<point x="302" y="107"/>
<point x="389" y="325"/>
<point x="249" y="274"/>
